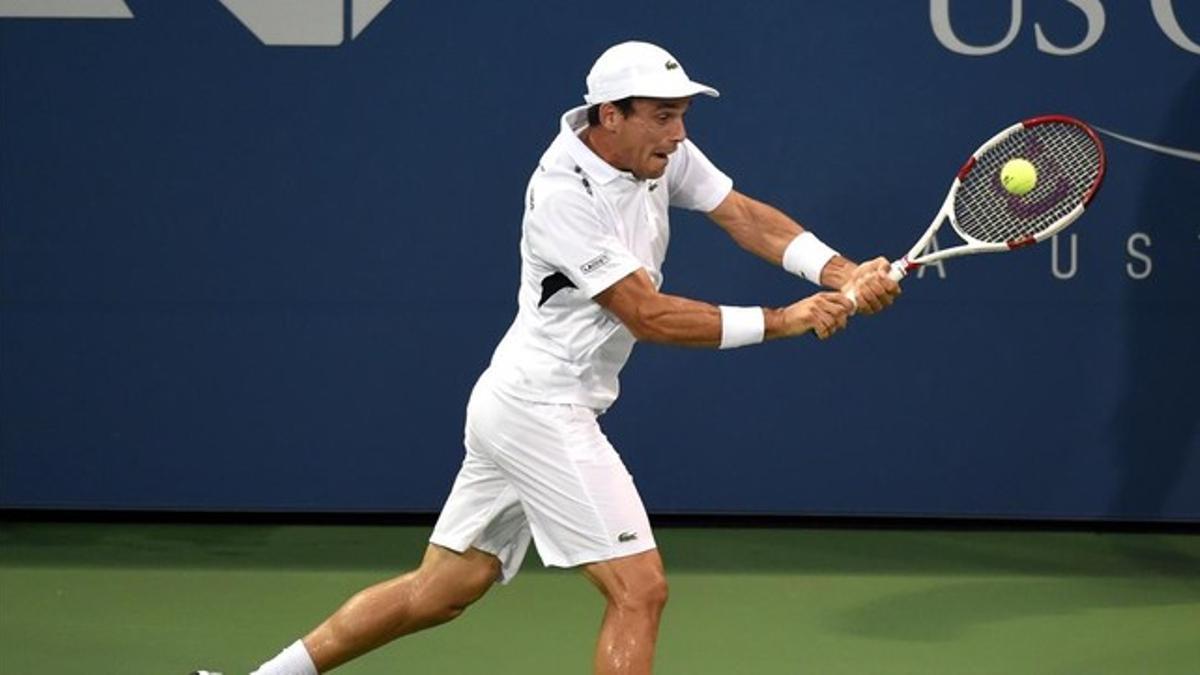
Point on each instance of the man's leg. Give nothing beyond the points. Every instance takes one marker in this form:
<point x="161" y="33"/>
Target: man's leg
<point x="436" y="592"/>
<point x="636" y="590"/>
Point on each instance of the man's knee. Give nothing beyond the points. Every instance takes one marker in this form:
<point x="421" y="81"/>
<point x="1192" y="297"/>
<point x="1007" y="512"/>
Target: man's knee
<point x="650" y="595"/>
<point x="449" y="582"/>
<point x="456" y="599"/>
<point x="635" y="584"/>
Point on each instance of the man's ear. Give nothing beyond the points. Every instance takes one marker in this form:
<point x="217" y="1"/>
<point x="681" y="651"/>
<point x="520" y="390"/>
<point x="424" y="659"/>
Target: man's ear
<point x="609" y="116"/>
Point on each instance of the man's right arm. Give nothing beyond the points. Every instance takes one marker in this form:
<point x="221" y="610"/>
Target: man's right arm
<point x="570" y="235"/>
<point x="671" y="319"/>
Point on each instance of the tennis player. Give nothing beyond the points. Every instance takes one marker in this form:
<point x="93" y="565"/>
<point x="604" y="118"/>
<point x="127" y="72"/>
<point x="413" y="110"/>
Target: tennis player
<point x="537" y="464"/>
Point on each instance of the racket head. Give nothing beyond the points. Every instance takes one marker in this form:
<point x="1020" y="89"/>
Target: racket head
<point x="1070" y="163"/>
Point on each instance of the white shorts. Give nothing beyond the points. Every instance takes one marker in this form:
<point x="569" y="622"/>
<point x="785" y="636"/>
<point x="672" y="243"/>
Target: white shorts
<point x="543" y="470"/>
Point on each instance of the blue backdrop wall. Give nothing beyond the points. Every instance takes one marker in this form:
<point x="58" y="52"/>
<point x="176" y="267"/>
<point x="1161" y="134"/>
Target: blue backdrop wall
<point x="253" y="260"/>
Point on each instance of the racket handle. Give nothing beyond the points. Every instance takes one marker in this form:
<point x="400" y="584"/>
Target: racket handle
<point x="896" y="272"/>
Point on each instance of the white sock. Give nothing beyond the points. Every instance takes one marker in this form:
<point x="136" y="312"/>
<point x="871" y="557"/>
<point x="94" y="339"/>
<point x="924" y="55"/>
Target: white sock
<point x="291" y="661"/>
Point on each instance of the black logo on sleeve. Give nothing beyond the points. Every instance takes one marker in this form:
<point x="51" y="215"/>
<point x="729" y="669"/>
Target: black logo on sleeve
<point x="594" y="264"/>
<point x="671" y="65"/>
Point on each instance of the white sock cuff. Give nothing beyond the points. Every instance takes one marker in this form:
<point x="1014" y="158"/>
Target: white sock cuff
<point x="293" y="660"/>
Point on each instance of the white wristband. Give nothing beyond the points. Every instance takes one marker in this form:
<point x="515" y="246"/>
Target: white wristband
<point x="741" y="326"/>
<point x="806" y="256"/>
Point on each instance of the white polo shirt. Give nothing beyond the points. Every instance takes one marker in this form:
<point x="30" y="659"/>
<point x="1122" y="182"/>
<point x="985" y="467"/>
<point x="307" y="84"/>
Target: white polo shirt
<point x="587" y="225"/>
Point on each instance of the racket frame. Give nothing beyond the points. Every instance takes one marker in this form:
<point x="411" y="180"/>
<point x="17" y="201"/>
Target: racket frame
<point x="915" y="258"/>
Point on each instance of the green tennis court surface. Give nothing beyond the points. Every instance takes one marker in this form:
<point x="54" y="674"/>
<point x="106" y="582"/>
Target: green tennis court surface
<point x="164" y="599"/>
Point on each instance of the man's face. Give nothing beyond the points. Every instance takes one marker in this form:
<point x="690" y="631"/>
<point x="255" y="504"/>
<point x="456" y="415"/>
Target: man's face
<point x="651" y="132"/>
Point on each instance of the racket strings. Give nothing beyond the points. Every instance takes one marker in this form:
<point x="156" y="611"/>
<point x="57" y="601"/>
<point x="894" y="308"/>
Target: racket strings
<point x="1068" y="164"/>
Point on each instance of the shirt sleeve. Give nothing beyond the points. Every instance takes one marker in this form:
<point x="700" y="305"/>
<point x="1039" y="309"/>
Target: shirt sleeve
<point x="568" y="233"/>
<point x="695" y="182"/>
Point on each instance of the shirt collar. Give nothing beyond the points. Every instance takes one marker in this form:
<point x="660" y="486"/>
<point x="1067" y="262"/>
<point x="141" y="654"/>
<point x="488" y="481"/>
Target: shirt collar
<point x="574" y="121"/>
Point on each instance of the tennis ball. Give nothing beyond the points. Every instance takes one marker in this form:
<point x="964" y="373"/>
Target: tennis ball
<point x="1018" y="176"/>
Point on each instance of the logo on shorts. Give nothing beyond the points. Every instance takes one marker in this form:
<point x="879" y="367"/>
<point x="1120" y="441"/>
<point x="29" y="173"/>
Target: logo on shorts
<point x="671" y="65"/>
<point x="626" y="537"/>
<point x="594" y="264"/>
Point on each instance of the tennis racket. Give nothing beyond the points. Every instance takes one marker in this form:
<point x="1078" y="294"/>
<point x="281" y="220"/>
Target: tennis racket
<point x="1069" y="160"/>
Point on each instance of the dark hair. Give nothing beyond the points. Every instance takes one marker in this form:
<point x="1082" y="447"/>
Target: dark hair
<point x="625" y="105"/>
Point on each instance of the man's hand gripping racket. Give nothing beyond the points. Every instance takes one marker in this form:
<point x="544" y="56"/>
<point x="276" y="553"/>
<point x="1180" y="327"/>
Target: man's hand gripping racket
<point x="1022" y="186"/>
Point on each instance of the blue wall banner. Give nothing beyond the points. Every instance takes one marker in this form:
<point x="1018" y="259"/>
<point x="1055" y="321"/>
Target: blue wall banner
<point x="254" y="254"/>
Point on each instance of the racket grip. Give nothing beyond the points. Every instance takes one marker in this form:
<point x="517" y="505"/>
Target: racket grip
<point x="896" y="272"/>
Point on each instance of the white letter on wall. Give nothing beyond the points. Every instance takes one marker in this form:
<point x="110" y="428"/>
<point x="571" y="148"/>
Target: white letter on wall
<point x="939" y="18"/>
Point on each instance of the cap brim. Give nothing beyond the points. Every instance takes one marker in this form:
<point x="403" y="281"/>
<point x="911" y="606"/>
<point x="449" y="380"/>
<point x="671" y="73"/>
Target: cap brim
<point x="685" y="89"/>
<point x="658" y="90"/>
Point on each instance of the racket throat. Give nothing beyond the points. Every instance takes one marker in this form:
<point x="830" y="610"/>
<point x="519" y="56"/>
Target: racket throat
<point x="903" y="267"/>
<point x="1021" y="242"/>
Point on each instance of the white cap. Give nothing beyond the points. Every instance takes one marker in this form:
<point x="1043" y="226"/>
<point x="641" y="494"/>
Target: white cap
<point x="639" y="69"/>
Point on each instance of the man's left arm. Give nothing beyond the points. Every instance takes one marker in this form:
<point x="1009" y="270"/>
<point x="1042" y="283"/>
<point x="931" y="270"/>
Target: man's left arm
<point x="773" y="236"/>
